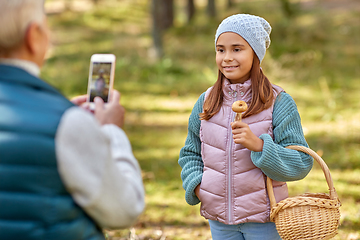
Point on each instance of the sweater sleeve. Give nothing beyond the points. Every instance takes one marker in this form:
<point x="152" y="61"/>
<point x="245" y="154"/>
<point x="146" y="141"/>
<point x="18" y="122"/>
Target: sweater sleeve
<point x="276" y="161"/>
<point x="99" y="170"/>
<point x="190" y="155"/>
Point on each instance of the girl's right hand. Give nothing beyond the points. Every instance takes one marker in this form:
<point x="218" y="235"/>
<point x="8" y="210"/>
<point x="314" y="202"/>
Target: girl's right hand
<point x="242" y="134"/>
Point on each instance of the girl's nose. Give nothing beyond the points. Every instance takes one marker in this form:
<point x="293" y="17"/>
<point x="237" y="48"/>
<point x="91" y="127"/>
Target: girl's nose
<point x="228" y="57"/>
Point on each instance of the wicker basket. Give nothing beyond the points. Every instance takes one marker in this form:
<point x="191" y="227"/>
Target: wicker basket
<point x="308" y="216"/>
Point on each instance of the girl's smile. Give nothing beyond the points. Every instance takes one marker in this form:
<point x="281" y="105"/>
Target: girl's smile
<point x="234" y="57"/>
<point x="230" y="68"/>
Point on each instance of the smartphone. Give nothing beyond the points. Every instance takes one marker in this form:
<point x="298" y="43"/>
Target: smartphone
<point x="101" y="77"/>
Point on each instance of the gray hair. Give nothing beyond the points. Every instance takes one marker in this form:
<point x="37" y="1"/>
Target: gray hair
<point x="15" y="17"/>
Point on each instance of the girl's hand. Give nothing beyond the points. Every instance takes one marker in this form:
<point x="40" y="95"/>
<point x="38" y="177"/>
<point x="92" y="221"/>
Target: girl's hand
<point x="243" y="135"/>
<point x="197" y="191"/>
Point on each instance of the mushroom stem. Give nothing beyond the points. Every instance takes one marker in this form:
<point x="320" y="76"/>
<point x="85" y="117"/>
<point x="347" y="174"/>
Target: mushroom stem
<point x="238" y="117"/>
<point x="239" y="107"/>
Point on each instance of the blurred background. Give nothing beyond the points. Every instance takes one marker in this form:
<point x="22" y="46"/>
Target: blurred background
<point x="166" y="59"/>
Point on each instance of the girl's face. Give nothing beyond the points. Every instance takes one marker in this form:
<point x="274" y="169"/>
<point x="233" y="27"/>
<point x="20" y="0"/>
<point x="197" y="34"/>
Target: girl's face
<point x="234" y="57"/>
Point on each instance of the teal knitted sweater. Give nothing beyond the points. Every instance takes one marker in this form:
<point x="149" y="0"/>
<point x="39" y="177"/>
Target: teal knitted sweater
<point x="275" y="160"/>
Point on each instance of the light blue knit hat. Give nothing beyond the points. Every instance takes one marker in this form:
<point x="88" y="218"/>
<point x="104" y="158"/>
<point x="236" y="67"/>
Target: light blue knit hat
<point x="255" y="30"/>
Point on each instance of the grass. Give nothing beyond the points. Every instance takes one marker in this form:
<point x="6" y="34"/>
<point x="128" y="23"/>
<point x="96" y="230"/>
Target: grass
<point x="314" y="57"/>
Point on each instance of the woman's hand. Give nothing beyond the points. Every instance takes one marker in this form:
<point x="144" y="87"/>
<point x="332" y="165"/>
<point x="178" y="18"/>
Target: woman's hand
<point x="243" y="135"/>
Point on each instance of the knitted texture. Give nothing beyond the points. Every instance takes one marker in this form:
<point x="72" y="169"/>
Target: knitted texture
<point x="190" y="155"/>
<point x="293" y="165"/>
<point x="255" y="30"/>
<point x="275" y="161"/>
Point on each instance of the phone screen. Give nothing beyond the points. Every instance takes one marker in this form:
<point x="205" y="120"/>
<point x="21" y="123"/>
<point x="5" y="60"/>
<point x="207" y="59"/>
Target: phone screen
<point x="100" y="80"/>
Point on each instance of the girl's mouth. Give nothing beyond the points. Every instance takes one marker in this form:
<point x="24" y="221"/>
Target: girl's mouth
<point x="230" y="67"/>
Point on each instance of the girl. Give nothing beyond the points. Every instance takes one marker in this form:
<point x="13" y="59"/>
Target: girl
<point x="225" y="163"/>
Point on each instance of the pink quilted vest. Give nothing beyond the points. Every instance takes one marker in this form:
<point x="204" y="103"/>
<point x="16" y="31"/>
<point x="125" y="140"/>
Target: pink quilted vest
<point x="232" y="189"/>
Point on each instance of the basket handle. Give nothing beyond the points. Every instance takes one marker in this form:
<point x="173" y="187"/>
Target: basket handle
<point x="324" y="167"/>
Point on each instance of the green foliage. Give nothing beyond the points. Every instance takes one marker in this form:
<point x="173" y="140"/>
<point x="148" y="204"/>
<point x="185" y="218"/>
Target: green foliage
<point x="314" y="56"/>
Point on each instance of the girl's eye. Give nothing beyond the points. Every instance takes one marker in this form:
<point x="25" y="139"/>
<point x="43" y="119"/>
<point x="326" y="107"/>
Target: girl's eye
<point x="237" y="50"/>
<point x="220" y="50"/>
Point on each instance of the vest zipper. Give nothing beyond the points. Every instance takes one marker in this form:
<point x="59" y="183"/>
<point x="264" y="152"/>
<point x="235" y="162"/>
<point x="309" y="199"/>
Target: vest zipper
<point x="230" y="212"/>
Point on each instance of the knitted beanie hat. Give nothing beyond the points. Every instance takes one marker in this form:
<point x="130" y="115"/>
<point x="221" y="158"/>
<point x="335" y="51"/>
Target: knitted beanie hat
<point x="255" y="30"/>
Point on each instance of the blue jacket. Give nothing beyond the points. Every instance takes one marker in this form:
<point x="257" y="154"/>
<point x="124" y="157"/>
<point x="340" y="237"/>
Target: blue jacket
<point x="34" y="203"/>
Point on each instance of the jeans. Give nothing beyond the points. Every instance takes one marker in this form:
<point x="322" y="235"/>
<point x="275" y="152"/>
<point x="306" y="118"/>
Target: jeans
<point x="244" y="231"/>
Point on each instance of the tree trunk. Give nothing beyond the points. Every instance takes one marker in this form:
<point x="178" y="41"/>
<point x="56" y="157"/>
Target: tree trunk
<point x="230" y="4"/>
<point x="157" y="28"/>
<point x="190" y="10"/>
<point x="167" y="12"/>
<point x="211" y="8"/>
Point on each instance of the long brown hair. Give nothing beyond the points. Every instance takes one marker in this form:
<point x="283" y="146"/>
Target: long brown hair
<point x="262" y="94"/>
